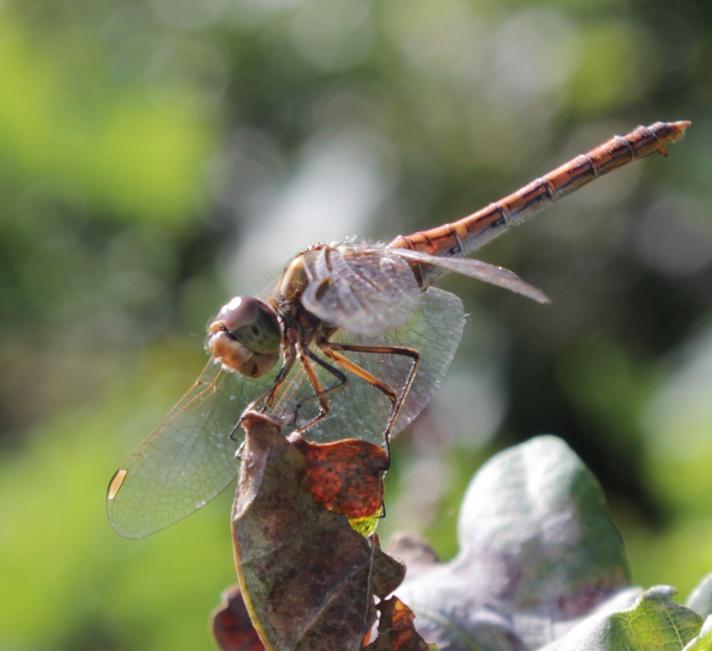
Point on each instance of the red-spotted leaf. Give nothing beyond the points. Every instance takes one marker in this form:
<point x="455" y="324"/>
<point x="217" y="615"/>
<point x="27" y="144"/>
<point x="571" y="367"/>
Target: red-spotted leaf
<point x="345" y="476"/>
<point x="395" y="629"/>
<point x="308" y="579"/>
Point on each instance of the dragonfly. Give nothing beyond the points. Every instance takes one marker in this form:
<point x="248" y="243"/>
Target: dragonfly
<point x="353" y="340"/>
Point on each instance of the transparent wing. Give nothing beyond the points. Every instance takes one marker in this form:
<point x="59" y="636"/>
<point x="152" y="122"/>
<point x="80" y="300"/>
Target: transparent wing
<point x="360" y="410"/>
<point x="487" y="273"/>
<point x="187" y="460"/>
<point x="363" y="289"/>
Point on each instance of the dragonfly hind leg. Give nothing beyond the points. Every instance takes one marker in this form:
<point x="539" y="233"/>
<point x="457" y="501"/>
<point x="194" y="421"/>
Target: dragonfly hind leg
<point x="335" y="351"/>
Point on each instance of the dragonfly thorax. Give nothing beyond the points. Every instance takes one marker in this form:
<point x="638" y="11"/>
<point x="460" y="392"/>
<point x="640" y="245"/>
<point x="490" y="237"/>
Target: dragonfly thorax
<point x="245" y="336"/>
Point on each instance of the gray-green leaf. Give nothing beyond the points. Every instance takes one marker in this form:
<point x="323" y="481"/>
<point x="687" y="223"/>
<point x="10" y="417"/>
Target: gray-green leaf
<point x="538" y="552"/>
<point x="700" y="599"/>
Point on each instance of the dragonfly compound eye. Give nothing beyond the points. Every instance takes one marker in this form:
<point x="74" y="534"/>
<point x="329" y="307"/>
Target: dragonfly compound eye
<point x="245" y="336"/>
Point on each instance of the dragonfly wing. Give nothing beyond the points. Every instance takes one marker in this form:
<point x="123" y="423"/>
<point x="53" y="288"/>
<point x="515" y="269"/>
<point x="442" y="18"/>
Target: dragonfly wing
<point x="187" y="460"/>
<point x="483" y="271"/>
<point x="364" y="290"/>
<point x="360" y="410"/>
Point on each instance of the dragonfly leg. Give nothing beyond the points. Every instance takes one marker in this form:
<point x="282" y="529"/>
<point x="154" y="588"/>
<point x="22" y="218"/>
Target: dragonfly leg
<point x="267" y="398"/>
<point x="341" y="381"/>
<point x="335" y="351"/>
<point x="304" y="355"/>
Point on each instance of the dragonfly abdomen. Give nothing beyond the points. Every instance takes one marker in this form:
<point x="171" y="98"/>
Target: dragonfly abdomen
<point x="468" y="234"/>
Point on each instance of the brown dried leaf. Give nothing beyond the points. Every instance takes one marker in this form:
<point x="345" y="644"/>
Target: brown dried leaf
<point x="307" y="578"/>
<point x="395" y="629"/>
<point x="232" y="627"/>
<point x="345" y="476"/>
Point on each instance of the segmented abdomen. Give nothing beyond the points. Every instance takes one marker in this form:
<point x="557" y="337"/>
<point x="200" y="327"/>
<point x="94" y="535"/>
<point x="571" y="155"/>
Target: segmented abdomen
<point x="470" y="233"/>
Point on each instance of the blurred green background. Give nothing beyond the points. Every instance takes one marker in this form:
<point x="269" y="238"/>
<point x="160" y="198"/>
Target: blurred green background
<point x="160" y="156"/>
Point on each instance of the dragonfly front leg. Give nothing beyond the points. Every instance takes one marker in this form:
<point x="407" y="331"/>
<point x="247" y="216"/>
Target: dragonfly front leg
<point x="264" y="402"/>
<point x="305" y="355"/>
<point x="334" y="350"/>
<point x="341" y="381"/>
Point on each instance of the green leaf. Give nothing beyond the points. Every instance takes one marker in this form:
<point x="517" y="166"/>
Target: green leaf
<point x="654" y="623"/>
<point x="702" y="642"/>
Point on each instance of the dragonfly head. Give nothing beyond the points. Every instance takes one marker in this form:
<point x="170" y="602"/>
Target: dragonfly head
<point x="245" y="336"/>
